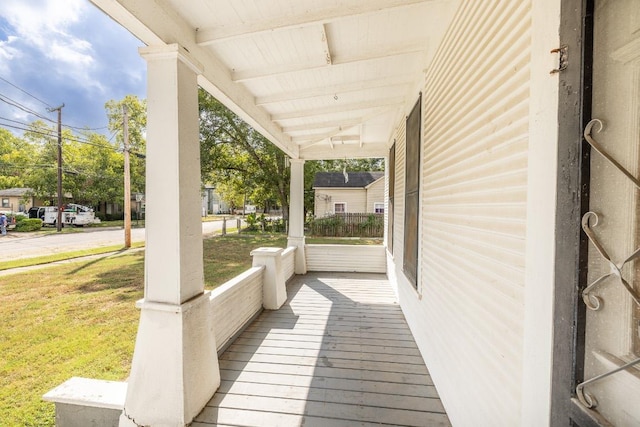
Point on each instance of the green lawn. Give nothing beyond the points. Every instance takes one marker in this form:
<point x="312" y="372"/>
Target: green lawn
<point x="79" y="319"/>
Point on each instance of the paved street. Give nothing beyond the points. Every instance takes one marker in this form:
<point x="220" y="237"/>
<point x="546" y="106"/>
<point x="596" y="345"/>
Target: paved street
<point x="27" y="245"/>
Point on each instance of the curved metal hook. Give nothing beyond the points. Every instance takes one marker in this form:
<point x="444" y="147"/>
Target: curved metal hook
<point x="589" y="127"/>
<point x="591" y="301"/>
<point x="589" y="138"/>
<point x="586" y="398"/>
<point x="586" y="226"/>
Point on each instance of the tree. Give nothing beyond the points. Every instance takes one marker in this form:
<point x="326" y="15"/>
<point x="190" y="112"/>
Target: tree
<point x="41" y="174"/>
<point x="15" y="156"/>
<point x="238" y="160"/>
<point x="93" y="170"/>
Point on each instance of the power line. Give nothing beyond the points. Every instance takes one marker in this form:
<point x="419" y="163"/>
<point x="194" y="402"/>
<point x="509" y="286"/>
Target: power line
<point x="17" y="104"/>
<point x="52" y="134"/>
<point x="24" y="91"/>
<point x="22" y="107"/>
<point x="85" y="128"/>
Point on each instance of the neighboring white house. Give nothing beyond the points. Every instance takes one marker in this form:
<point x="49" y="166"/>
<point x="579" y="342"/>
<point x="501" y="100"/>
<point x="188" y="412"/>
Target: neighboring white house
<point x="348" y="192"/>
<point x="480" y="108"/>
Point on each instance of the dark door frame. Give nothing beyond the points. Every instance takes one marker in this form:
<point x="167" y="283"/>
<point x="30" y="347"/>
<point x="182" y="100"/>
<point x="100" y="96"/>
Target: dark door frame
<point x="576" y="34"/>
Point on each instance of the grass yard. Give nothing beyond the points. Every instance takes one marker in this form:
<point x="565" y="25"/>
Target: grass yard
<point x="79" y="319"/>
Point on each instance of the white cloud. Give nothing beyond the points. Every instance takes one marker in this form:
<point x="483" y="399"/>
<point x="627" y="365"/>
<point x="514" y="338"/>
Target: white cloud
<point x="66" y="51"/>
<point x="43" y="25"/>
<point x="7" y="54"/>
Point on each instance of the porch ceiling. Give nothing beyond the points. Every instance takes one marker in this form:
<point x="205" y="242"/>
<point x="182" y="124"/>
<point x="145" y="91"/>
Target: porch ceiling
<point x="321" y="79"/>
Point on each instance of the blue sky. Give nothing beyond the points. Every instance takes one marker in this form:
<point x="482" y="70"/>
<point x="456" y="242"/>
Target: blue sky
<point x="66" y="51"/>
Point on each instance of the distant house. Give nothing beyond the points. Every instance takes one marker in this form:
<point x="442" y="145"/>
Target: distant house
<point x="355" y="192"/>
<point x="212" y="203"/>
<point x="18" y="200"/>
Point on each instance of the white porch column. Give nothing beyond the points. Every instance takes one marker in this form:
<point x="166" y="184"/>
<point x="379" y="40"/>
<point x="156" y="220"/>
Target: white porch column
<point x="296" y="214"/>
<point x="175" y="367"/>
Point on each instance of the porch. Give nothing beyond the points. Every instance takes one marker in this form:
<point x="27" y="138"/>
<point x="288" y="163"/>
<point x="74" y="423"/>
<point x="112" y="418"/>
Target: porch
<point x="339" y="352"/>
<point x="323" y="348"/>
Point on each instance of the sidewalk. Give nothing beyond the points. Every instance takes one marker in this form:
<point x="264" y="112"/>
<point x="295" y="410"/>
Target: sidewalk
<point x="18" y="270"/>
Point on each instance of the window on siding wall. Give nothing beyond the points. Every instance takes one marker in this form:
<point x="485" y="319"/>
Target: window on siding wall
<point x="392" y="186"/>
<point x="5" y="203"/>
<point x="378" y="207"/>
<point x="339" y="207"/>
<point x="412" y="194"/>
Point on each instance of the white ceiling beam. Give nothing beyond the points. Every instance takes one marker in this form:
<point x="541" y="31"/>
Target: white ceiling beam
<point x="366" y="105"/>
<point x="342" y="151"/>
<point x="329" y="124"/>
<point x="342" y="138"/>
<point x="411" y="47"/>
<point x="333" y="90"/>
<point x="312" y="143"/>
<point x="335" y="142"/>
<point x="154" y="25"/>
<point x="325" y="45"/>
<point x="307" y="140"/>
<point x="392" y="52"/>
<point x="340" y="125"/>
<point x="207" y="36"/>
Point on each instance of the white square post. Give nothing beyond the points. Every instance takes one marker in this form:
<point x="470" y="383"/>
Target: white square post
<point x="296" y="215"/>
<point x="175" y="367"/>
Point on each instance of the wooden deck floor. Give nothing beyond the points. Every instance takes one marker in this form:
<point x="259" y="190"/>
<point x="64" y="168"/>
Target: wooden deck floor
<point x="338" y="353"/>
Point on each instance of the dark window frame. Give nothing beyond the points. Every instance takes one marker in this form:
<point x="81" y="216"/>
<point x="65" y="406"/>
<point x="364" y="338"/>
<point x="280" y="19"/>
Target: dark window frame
<point x="574" y="111"/>
<point x="390" y="204"/>
<point x="412" y="193"/>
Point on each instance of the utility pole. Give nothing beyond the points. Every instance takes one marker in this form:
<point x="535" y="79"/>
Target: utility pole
<point x="59" y="220"/>
<point x="127" y="180"/>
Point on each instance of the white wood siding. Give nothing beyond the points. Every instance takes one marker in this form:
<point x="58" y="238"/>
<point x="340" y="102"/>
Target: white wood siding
<point x="355" y="199"/>
<point x="348" y="258"/>
<point x="289" y="262"/>
<point x="375" y="194"/>
<point x="234" y="303"/>
<point x="468" y="320"/>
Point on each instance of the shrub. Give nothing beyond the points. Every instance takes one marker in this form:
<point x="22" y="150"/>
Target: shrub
<point x="252" y="221"/>
<point x="29" y="224"/>
<point x="113" y="217"/>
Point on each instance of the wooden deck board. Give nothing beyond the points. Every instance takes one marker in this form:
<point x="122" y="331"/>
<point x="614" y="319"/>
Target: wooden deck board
<point x="339" y="353"/>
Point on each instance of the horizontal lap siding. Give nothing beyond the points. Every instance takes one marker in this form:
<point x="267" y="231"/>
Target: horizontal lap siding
<point x="347" y="258"/>
<point x="473" y="212"/>
<point x="234" y="303"/>
<point x="288" y="262"/>
<point x="375" y="194"/>
<point x="326" y="198"/>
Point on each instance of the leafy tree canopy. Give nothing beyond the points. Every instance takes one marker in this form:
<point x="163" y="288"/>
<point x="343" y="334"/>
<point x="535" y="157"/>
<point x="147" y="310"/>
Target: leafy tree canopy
<point x="239" y="161"/>
<point x="92" y="166"/>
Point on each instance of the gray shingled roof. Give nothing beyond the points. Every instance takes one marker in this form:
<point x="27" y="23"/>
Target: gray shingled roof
<point x="15" y="192"/>
<point x="336" y="179"/>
